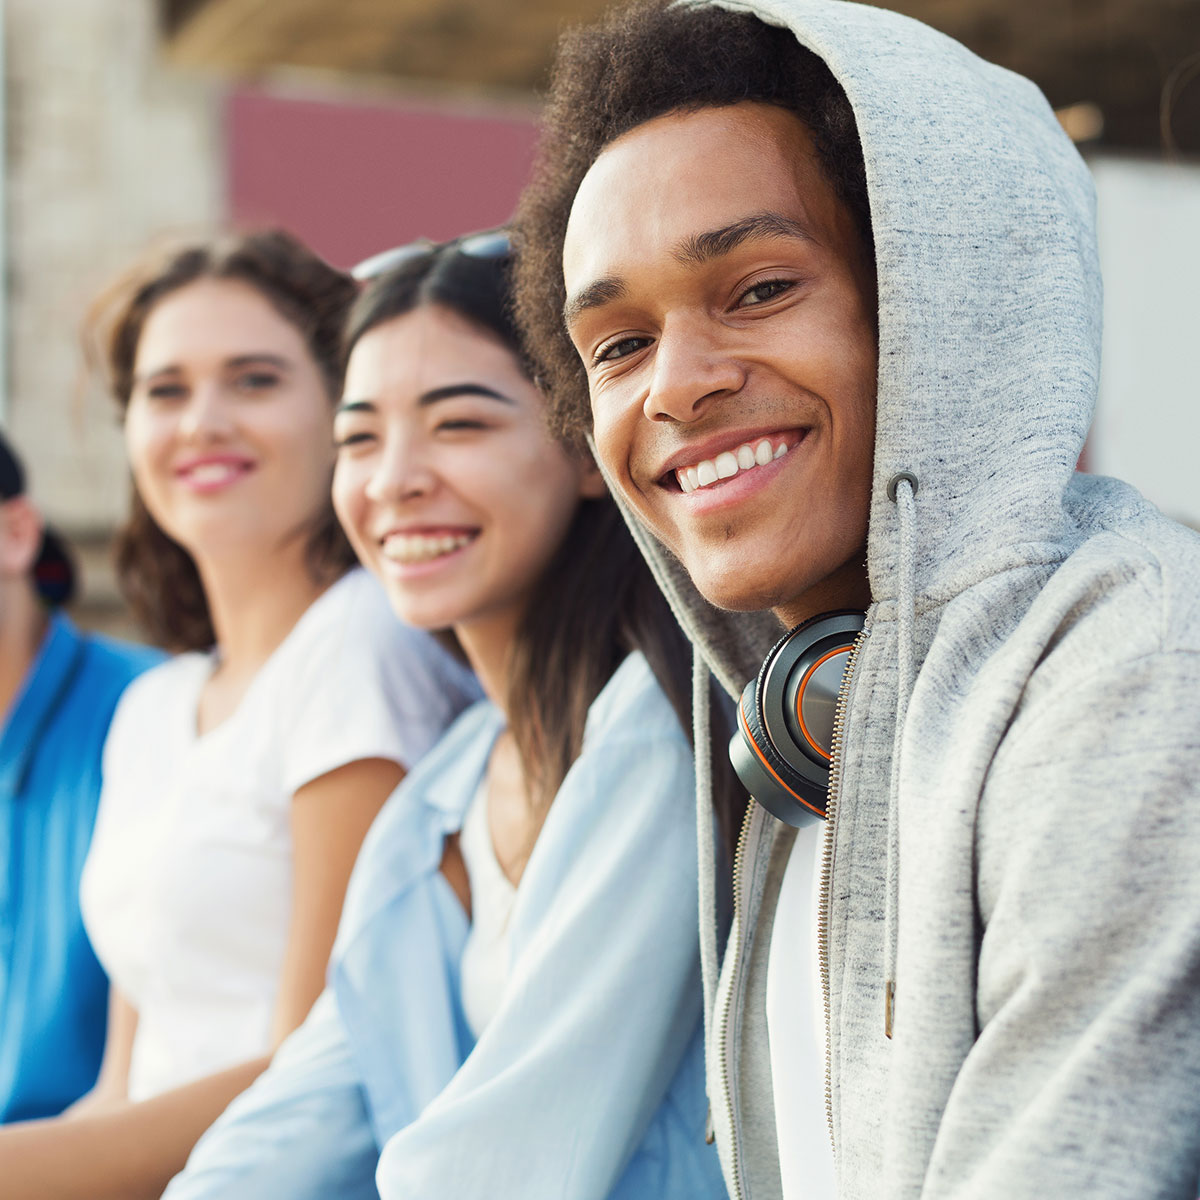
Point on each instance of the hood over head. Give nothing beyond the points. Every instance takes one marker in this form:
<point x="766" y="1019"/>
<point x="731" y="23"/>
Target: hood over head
<point x="989" y="312"/>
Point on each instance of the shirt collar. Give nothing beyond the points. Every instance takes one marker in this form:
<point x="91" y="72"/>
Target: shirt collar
<point x="46" y="683"/>
<point x="447" y="778"/>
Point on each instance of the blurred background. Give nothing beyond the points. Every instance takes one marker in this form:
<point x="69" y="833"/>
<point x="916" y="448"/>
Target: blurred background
<point x="361" y="124"/>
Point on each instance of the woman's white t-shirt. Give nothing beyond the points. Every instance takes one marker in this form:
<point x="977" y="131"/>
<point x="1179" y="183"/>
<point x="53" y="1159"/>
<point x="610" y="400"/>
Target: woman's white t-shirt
<point x="486" y="955"/>
<point x="186" y="892"/>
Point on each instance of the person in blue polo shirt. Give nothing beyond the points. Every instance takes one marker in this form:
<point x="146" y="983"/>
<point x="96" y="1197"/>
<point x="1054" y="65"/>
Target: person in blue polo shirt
<point x="58" y="689"/>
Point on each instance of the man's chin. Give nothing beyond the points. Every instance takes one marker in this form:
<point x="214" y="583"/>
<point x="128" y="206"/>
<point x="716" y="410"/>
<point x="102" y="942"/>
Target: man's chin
<point x="733" y="595"/>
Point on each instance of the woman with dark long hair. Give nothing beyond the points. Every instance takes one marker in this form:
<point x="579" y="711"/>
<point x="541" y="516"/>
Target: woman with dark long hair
<point x="514" y="1006"/>
<point x="241" y="775"/>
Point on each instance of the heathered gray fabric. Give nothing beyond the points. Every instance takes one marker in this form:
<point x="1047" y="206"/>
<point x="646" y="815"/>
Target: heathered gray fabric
<point x="1047" y="1037"/>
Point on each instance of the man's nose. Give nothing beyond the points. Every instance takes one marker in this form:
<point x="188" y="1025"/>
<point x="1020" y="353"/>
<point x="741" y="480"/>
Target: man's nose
<point x="692" y="365"/>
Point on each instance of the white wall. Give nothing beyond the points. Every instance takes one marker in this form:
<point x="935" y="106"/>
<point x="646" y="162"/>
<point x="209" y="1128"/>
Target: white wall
<point x="1147" y="428"/>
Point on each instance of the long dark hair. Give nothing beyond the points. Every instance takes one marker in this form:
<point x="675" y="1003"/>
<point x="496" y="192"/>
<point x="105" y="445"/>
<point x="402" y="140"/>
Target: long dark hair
<point x="157" y="576"/>
<point x="597" y="600"/>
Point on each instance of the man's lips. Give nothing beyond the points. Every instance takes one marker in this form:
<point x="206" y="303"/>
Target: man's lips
<point x="716" y="459"/>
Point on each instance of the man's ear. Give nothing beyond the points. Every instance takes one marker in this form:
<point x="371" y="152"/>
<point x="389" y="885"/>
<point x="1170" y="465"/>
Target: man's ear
<point x="20" y="536"/>
<point x="591" y="482"/>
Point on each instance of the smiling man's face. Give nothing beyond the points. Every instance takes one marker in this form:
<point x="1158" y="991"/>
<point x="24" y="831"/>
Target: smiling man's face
<point x="723" y="304"/>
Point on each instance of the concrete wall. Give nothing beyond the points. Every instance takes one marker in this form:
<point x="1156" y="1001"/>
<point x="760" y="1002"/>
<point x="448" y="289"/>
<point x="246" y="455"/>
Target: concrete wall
<point x="105" y="149"/>
<point x="1147" y="428"/>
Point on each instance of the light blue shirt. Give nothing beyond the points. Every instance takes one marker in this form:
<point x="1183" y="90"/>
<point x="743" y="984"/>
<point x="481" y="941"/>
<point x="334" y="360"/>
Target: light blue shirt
<point x="53" y="994"/>
<point x="587" y="1083"/>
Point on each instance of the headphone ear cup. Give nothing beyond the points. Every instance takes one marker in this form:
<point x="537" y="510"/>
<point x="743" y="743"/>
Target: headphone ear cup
<point x="780" y="749"/>
<point x="764" y="773"/>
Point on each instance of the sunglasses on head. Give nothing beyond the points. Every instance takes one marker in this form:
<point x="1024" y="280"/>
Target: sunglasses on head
<point x="491" y="243"/>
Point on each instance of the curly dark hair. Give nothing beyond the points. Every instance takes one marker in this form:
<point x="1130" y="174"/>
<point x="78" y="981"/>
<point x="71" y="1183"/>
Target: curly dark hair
<point x="157" y="576"/>
<point x="644" y="61"/>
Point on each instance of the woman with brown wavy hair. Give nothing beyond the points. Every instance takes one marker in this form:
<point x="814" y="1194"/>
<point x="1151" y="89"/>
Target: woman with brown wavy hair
<point x="241" y="776"/>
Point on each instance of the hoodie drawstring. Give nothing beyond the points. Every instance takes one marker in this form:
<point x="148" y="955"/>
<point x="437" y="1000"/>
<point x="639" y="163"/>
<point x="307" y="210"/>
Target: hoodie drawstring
<point x="705" y="836"/>
<point x="902" y="490"/>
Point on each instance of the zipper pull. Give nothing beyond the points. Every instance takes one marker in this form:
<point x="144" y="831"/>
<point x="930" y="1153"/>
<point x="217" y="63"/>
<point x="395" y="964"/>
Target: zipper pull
<point x="889" y="1006"/>
<point x="710" y="1134"/>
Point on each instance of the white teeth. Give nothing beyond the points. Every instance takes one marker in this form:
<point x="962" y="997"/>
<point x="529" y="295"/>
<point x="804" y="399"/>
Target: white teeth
<point x="212" y="473"/>
<point x="417" y="547"/>
<point x="728" y="463"/>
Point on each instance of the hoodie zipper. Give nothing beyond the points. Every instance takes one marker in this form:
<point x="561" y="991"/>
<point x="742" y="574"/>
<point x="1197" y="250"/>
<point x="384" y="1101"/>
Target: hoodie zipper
<point x="739" y="857"/>
<point x="739" y="862"/>
<point x="823" y="912"/>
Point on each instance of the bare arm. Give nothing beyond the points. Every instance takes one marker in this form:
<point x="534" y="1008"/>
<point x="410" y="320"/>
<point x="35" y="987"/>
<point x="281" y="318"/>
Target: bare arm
<point x="330" y="818"/>
<point x="127" y="1151"/>
<point x="122" y="1152"/>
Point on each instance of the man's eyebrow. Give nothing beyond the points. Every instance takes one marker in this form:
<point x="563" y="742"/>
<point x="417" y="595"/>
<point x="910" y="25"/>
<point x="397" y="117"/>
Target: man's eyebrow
<point x="593" y="296"/>
<point x="694" y="251"/>
<point x="461" y="389"/>
<point x="700" y="248"/>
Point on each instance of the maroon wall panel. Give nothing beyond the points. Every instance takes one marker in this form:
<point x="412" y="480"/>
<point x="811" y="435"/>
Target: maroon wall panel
<point x="352" y="179"/>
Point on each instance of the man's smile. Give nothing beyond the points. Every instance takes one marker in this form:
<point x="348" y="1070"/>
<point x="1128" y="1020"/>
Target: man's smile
<point x="707" y="466"/>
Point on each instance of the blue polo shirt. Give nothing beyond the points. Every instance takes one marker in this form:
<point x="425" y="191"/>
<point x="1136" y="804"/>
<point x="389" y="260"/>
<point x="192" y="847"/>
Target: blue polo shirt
<point x="53" y="994"/>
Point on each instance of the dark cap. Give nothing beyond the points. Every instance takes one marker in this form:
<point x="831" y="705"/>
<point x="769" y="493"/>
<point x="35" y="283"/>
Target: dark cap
<point x="53" y="572"/>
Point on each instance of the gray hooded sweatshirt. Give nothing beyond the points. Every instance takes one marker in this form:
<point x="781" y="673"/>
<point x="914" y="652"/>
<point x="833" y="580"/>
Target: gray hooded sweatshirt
<point x="1014" y="829"/>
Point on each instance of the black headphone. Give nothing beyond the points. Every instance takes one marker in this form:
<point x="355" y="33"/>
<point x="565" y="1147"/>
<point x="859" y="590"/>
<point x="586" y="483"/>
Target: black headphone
<point x="782" y="744"/>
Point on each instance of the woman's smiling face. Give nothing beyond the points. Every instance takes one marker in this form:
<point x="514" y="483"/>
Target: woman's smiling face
<point x="228" y="423"/>
<point x="447" y="482"/>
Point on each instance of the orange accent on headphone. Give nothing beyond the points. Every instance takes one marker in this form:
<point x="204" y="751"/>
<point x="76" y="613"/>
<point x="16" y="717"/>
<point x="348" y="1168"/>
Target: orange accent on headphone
<point x="771" y="770"/>
<point x="808" y="737"/>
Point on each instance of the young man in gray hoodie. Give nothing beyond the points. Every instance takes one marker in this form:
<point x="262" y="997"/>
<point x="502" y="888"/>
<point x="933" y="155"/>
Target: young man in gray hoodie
<point x="821" y="290"/>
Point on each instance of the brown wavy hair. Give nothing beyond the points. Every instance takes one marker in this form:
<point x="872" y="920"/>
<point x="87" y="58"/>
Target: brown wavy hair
<point x="157" y="576"/>
<point x="643" y="61"/>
